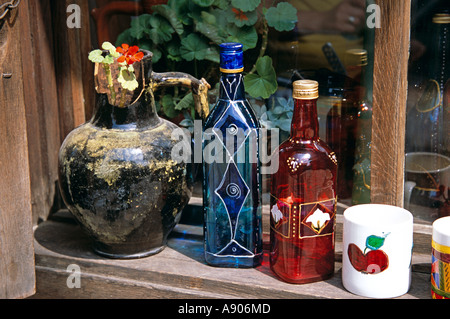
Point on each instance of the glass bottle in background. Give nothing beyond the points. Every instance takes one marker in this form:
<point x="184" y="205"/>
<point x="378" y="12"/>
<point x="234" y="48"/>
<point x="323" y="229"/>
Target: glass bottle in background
<point x="303" y="197"/>
<point x="428" y="112"/>
<point x="363" y="136"/>
<point x="231" y="185"/>
<point x="342" y="123"/>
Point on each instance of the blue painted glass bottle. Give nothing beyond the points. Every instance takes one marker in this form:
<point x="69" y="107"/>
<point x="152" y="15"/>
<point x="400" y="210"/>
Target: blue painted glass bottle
<point x="231" y="184"/>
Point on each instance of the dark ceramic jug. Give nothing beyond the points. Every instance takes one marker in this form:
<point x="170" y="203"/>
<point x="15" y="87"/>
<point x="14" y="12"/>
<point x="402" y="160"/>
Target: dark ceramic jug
<point x="116" y="173"/>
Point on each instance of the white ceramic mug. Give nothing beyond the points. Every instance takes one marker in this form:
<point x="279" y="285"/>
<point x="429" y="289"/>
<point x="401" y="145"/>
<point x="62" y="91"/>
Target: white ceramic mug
<point x="377" y="250"/>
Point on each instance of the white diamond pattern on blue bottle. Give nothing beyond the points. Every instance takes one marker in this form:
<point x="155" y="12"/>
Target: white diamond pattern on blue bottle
<point x="231" y="189"/>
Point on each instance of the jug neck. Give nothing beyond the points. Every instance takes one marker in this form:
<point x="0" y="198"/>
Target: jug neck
<point x="138" y="115"/>
<point x="117" y="108"/>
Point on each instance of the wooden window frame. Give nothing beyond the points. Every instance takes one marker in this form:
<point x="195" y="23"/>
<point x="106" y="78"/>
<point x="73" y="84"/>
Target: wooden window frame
<point x="390" y="90"/>
<point x="391" y="54"/>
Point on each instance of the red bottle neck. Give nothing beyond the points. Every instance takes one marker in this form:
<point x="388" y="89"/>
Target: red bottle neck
<point x="305" y="124"/>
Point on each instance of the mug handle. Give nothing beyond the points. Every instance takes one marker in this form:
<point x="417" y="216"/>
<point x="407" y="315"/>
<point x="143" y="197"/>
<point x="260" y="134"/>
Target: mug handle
<point x="199" y="87"/>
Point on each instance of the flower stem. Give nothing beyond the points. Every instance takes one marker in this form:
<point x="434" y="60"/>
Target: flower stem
<point x="122" y="98"/>
<point x="265" y="41"/>
<point x="195" y="68"/>
<point x="110" y="82"/>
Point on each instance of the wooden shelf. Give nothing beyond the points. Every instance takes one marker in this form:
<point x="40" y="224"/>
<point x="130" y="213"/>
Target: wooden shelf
<point x="179" y="271"/>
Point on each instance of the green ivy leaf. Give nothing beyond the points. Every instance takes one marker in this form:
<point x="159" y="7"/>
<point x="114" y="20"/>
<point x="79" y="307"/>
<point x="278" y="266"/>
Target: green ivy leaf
<point x="173" y="51"/>
<point x="203" y="3"/>
<point x="222" y="4"/>
<point x="161" y="31"/>
<point x="96" y="56"/>
<point x="145" y="44"/>
<point x="278" y="110"/>
<point x="194" y="12"/>
<point x="171" y="16"/>
<point x="157" y="55"/>
<point x="264" y="82"/>
<point x="210" y="31"/>
<point x="181" y="9"/>
<point x="284" y="124"/>
<point x="213" y="54"/>
<point x="247" y="5"/>
<point x="168" y="106"/>
<point x="148" y="45"/>
<point x="186" y="103"/>
<point x="139" y="26"/>
<point x="240" y="18"/>
<point x="193" y="47"/>
<point x="283" y="17"/>
<point x="287" y="105"/>
<point x="245" y="35"/>
<point x="208" y="18"/>
<point x="221" y="22"/>
<point x="209" y="26"/>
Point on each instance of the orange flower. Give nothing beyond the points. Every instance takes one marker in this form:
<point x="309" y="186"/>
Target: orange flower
<point x="129" y="54"/>
<point x="239" y="14"/>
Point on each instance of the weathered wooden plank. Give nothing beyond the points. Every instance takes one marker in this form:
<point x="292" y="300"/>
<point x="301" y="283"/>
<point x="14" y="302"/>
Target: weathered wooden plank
<point x="391" y="52"/>
<point x="87" y="66"/>
<point x="179" y="271"/>
<point x="41" y="104"/>
<point x="112" y="17"/>
<point x="97" y="286"/>
<point x="17" y="276"/>
<point x="74" y="73"/>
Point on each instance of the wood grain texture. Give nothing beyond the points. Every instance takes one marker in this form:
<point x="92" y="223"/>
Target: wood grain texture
<point x="104" y="16"/>
<point x="391" y="54"/>
<point x="17" y="275"/>
<point x="41" y="104"/>
<point x="179" y="271"/>
<point x="74" y="71"/>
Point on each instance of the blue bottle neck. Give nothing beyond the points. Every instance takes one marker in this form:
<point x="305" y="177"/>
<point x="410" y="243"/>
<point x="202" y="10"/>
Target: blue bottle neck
<point x="232" y="87"/>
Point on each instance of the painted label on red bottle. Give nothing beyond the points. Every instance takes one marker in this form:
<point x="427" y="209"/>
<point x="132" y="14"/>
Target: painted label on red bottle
<point x="305" y="220"/>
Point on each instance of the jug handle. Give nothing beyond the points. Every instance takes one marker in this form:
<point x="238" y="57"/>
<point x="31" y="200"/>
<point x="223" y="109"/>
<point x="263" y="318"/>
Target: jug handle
<point x="199" y="87"/>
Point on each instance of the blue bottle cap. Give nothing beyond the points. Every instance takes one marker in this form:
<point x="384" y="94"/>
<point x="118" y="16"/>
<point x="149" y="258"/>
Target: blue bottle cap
<point x="231" y="57"/>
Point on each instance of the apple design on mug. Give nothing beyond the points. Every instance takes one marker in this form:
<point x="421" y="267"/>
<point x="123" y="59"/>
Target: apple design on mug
<point x="373" y="261"/>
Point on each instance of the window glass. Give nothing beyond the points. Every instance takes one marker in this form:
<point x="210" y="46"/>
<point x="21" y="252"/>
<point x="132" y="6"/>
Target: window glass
<point x="330" y="41"/>
<point x="427" y="162"/>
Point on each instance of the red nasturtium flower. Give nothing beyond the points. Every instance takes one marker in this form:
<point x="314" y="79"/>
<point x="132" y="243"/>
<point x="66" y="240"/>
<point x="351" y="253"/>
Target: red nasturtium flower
<point x="239" y="14"/>
<point x="129" y="54"/>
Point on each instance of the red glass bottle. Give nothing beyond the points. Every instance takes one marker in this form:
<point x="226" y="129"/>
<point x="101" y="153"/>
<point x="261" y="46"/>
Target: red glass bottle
<point x="303" y="197"/>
